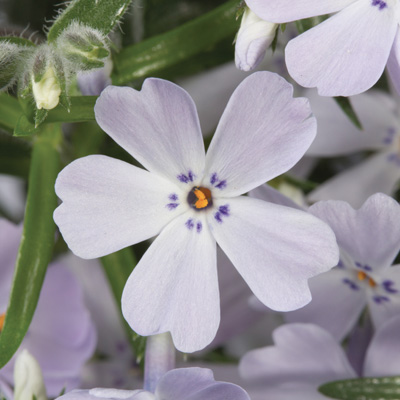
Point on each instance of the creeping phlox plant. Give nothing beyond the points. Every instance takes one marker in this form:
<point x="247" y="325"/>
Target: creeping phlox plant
<point x="175" y="226"/>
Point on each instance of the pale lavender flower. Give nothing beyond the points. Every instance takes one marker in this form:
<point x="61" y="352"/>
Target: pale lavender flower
<point x="306" y="356"/>
<point x="369" y="240"/>
<point x="346" y="54"/>
<point x="61" y="336"/>
<point x="177" y="384"/>
<point x="193" y="202"/>
<point x="378" y="113"/>
<point x="5" y="390"/>
<point x="254" y="37"/>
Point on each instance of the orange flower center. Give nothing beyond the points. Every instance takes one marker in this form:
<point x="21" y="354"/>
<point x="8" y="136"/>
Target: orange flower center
<point x="361" y="275"/>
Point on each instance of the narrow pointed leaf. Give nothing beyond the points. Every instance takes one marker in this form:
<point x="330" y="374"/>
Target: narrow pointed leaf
<point x="118" y="266"/>
<point x="81" y="110"/>
<point x="20" y="41"/>
<point x="98" y="14"/>
<point x="10" y="111"/>
<point x="36" y="244"/>
<point x="149" y="57"/>
<point x="347" y="108"/>
<point x="386" y="388"/>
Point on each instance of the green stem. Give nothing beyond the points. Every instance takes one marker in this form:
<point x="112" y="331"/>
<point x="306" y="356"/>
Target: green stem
<point x="37" y="241"/>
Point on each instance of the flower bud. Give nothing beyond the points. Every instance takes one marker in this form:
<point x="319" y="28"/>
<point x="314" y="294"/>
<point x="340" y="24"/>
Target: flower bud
<point x="84" y="47"/>
<point x="47" y="90"/>
<point x="28" y="378"/>
<point x="254" y="37"/>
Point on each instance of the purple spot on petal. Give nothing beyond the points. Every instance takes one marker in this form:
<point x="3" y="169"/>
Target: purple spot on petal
<point x="173" y="197"/>
<point x="189" y="224"/>
<point x="224" y="210"/>
<point x="217" y="216"/>
<point x="183" y="178"/>
<point x="221" y="185"/>
<point x="351" y="284"/>
<point x="191" y="176"/>
<point x="388" y="286"/>
<point x="199" y="227"/>
<point x="358" y="264"/>
<point x="172" y="206"/>
<point x="379" y="3"/>
<point x="380" y="299"/>
<point x="214" y="178"/>
<point x="395" y="158"/>
<point x="340" y="264"/>
<point x="367" y="268"/>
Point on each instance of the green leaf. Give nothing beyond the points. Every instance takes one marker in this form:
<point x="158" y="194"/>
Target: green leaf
<point x="118" y="266"/>
<point x="385" y="388"/>
<point x="347" y="108"/>
<point x="24" y="127"/>
<point x="36" y="244"/>
<point x="15" y="155"/>
<point x="81" y="110"/>
<point x="303" y="25"/>
<point x="98" y="14"/>
<point x="10" y="111"/>
<point x="149" y="57"/>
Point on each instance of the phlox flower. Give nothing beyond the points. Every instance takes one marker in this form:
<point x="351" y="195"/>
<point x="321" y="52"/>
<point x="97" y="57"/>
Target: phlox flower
<point x="337" y="136"/>
<point x="369" y="240"/>
<point x="347" y="53"/>
<point x="192" y="201"/>
<point x="306" y="356"/>
<point x="176" y="384"/>
<point x="61" y="336"/>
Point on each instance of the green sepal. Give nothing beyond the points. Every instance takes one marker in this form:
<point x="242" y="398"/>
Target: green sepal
<point x="40" y="116"/>
<point x="17" y="40"/>
<point x="385" y="388"/>
<point x="303" y="25"/>
<point x="36" y="245"/>
<point x="98" y="14"/>
<point x="149" y="57"/>
<point x="345" y="104"/>
<point x="24" y="127"/>
<point x="118" y="266"/>
<point x="81" y="110"/>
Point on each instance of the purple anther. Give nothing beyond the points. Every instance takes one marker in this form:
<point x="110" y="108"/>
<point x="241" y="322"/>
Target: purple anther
<point x="173" y="197"/>
<point x="221" y="185"/>
<point x="388" y="286"/>
<point x="380" y="299"/>
<point x="199" y="227"/>
<point x="189" y="224"/>
<point x="224" y="210"/>
<point x="351" y="284"/>
<point x="379" y="3"/>
<point x="172" y="206"/>
<point x="217" y="216"/>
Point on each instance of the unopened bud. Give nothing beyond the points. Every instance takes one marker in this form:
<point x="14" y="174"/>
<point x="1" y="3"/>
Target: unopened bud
<point x="47" y="90"/>
<point x="84" y="47"/>
<point x="254" y="37"/>
<point x="28" y="378"/>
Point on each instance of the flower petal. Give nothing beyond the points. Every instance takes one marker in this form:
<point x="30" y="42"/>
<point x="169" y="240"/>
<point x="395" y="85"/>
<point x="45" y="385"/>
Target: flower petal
<point x="175" y="286"/>
<point x="330" y="292"/>
<point x="196" y="384"/>
<point x="346" y="54"/>
<point x="109" y="204"/>
<point x="369" y="235"/>
<point x="378" y="173"/>
<point x="158" y="126"/>
<point x="286" y="11"/>
<point x="393" y="65"/>
<point x="303" y="353"/>
<point x="268" y="193"/>
<point x="337" y="135"/>
<point x="263" y="132"/>
<point x="276" y="249"/>
<point x="382" y="358"/>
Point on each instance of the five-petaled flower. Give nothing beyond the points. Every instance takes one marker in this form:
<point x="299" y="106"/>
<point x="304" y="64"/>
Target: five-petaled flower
<point x="193" y="201"/>
<point x="347" y="53"/>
